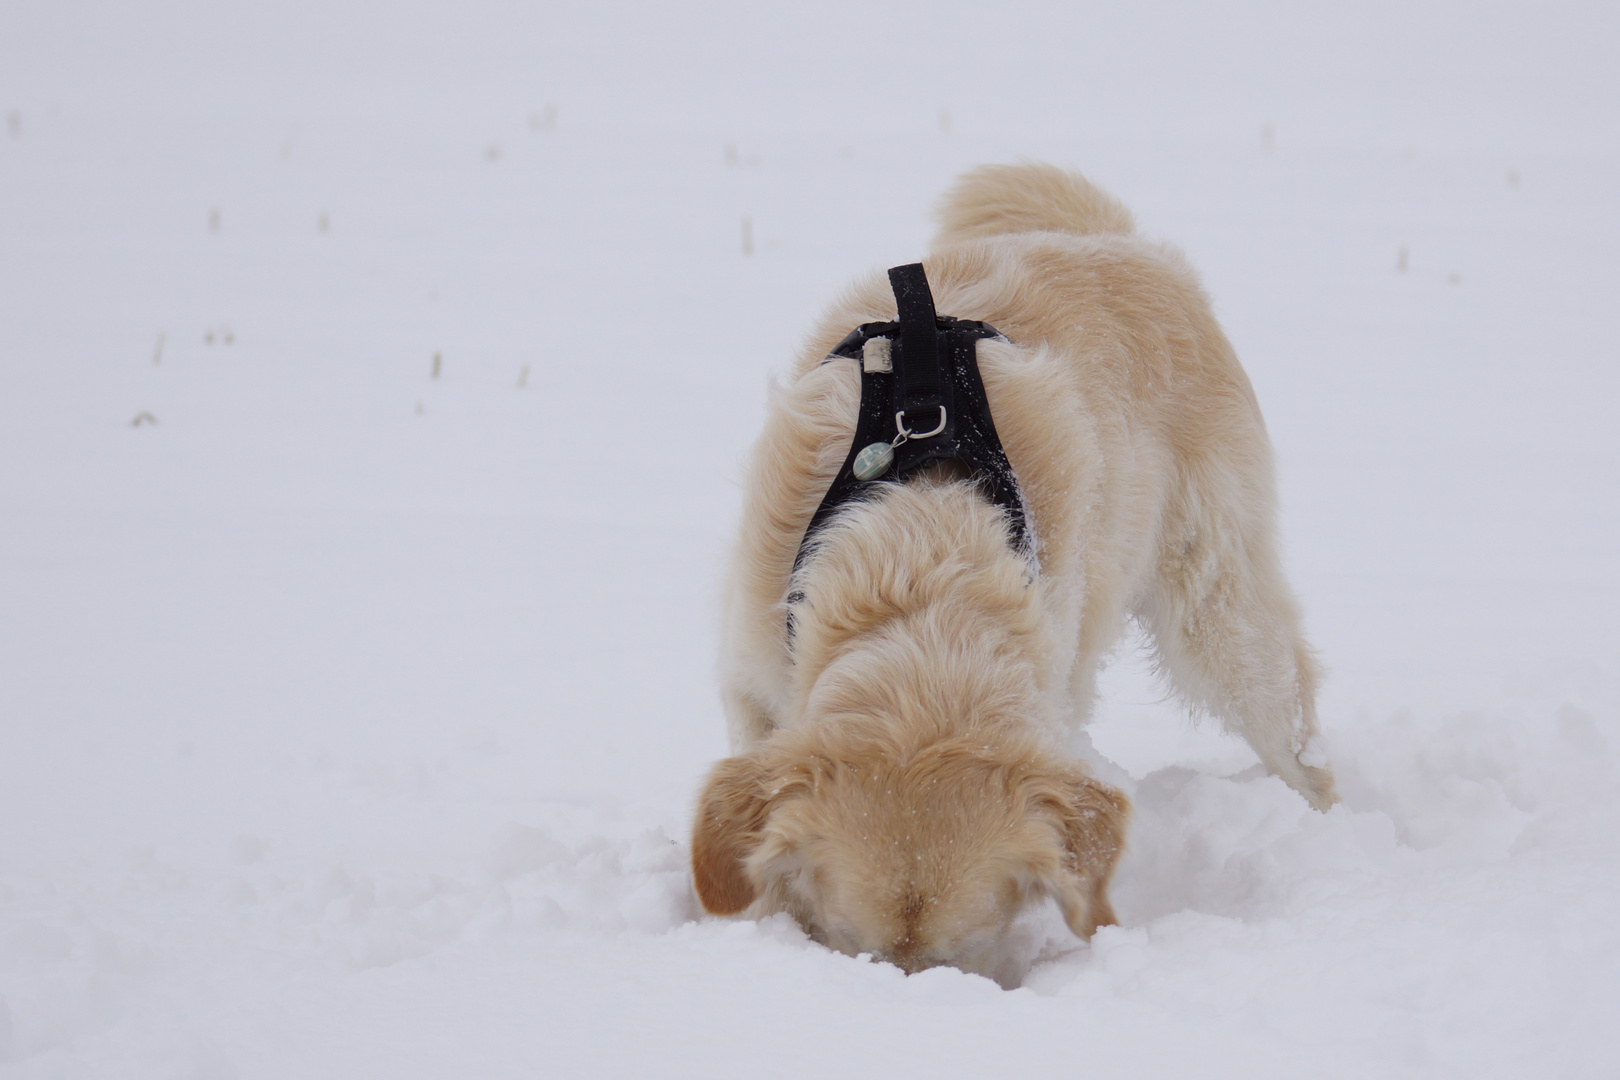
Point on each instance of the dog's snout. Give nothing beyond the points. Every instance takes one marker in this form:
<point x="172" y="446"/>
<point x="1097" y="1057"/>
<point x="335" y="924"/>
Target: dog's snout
<point x="908" y="952"/>
<point x="908" y="960"/>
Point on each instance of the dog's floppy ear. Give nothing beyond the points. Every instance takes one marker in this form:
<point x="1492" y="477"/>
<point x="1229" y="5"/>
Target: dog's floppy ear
<point x="1091" y="819"/>
<point x="731" y="812"/>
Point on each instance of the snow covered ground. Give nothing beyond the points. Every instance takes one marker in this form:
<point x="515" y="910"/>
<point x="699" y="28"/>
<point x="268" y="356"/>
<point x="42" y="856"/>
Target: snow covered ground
<point x="374" y="384"/>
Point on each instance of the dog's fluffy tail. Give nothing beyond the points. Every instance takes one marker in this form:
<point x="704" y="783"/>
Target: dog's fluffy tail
<point x="996" y="199"/>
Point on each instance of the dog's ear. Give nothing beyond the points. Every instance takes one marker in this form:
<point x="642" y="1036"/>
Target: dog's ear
<point x="1091" y="818"/>
<point x="731" y="812"/>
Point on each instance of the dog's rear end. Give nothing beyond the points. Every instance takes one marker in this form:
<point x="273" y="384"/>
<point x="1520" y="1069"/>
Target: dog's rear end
<point x="997" y="200"/>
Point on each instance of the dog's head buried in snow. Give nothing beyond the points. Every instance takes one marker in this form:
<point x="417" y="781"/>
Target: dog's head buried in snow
<point x="898" y="685"/>
<point x="919" y="855"/>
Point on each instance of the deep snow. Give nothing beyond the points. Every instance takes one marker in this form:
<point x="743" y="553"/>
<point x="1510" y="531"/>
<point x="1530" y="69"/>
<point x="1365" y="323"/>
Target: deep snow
<point x="350" y="715"/>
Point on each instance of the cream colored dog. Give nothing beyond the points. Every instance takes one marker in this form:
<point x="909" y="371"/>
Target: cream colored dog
<point x="899" y="787"/>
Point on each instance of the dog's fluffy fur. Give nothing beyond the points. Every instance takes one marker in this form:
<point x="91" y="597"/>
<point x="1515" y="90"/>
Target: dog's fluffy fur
<point x="898" y="786"/>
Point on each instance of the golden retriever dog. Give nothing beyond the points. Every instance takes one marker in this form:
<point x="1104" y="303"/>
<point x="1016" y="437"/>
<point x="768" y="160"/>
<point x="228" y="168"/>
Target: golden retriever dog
<point x="900" y="785"/>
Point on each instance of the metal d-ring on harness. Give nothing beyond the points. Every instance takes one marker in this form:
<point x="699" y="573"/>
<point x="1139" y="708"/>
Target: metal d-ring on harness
<point x="922" y="365"/>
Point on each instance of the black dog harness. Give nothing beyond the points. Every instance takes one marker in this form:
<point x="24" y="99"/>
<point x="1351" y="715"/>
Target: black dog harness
<point x="922" y="402"/>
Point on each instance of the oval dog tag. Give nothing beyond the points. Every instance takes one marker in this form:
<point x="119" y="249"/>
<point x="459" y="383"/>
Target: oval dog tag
<point x="873" y="461"/>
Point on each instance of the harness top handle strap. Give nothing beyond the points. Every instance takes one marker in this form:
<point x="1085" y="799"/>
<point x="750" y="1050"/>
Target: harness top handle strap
<point x="920" y="378"/>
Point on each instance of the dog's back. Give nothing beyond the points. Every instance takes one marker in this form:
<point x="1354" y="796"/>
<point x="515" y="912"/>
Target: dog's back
<point x="994" y="200"/>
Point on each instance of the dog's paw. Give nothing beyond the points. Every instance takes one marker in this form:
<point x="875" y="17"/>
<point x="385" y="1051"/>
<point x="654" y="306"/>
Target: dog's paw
<point x="1313" y="781"/>
<point x="1316" y="784"/>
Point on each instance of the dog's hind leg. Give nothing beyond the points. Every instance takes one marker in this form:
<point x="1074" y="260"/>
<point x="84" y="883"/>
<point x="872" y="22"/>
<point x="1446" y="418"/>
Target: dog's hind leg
<point x="1227" y="631"/>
